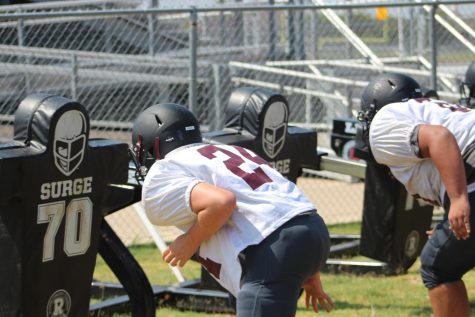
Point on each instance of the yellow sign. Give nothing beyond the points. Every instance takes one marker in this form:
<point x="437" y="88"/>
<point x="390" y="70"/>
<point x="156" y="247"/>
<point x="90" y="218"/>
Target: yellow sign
<point x="382" y="14"/>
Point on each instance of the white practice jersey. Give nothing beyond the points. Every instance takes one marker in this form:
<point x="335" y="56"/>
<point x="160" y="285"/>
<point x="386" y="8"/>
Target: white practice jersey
<point x="265" y="201"/>
<point x="393" y="140"/>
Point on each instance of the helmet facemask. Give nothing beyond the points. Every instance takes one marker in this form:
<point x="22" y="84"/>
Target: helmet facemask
<point x="142" y="158"/>
<point x="365" y="118"/>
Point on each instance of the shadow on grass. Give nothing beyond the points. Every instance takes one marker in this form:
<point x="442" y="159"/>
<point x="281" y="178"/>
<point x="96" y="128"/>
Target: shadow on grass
<point x="407" y="310"/>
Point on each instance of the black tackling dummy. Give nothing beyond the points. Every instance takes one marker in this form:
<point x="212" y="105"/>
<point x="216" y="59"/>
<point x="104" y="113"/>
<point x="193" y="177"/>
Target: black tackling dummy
<point x="390" y="233"/>
<point x="52" y="182"/>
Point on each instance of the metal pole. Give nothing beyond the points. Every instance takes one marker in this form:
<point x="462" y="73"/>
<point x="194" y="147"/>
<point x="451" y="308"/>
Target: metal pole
<point x="151" y="35"/>
<point x="218" y="121"/>
<point x="193" y="59"/>
<point x="308" y="102"/>
<point x="20" y="30"/>
<point x="291" y="31"/>
<point x="421" y="31"/>
<point x="413" y="27"/>
<point x="314" y="34"/>
<point x="151" y="29"/>
<point x="74" y="76"/>
<point x="222" y="26"/>
<point x="349" y="21"/>
<point x="433" y="45"/>
<point x="21" y="42"/>
<point x="300" y="33"/>
<point x="401" y="40"/>
<point x="239" y="27"/>
<point x="272" y="34"/>
<point x="107" y="31"/>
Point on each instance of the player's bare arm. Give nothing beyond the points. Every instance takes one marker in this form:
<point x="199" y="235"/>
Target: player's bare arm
<point x="438" y="143"/>
<point x="213" y="206"/>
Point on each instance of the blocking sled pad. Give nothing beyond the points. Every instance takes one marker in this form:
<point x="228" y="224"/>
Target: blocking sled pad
<point x="257" y="119"/>
<point x="52" y="182"/>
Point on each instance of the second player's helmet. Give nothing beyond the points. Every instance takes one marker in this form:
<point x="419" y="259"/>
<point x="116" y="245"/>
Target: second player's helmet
<point x="389" y="88"/>
<point x="381" y="91"/>
<point x="468" y="83"/>
<point x="161" y="128"/>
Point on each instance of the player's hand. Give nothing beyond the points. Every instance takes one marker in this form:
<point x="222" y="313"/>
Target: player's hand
<point x="430" y="232"/>
<point x="180" y="250"/>
<point x="459" y="218"/>
<point x="315" y="294"/>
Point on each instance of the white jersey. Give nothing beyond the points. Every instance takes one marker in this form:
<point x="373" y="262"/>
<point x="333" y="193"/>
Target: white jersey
<point x="393" y="140"/>
<point x="265" y="201"/>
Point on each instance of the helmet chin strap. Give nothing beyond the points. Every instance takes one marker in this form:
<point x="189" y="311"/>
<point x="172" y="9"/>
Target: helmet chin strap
<point x="156" y="148"/>
<point x="140" y="152"/>
<point x="138" y="155"/>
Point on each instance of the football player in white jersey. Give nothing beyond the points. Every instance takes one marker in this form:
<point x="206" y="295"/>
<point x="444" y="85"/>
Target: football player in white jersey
<point x="429" y="146"/>
<point x="252" y="229"/>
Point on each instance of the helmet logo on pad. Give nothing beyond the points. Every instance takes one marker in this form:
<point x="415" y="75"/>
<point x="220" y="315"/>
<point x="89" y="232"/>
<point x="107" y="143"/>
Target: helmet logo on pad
<point x="69" y="141"/>
<point x="274" y="129"/>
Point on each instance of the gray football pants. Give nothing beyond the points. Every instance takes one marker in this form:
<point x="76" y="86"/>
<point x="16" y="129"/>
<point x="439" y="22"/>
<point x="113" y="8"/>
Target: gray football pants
<point x="275" y="269"/>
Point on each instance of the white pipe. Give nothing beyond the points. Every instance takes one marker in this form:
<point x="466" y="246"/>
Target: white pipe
<point x="156" y="238"/>
<point x="299" y="74"/>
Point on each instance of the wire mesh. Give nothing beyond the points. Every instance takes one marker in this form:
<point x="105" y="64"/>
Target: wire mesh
<point x="119" y="57"/>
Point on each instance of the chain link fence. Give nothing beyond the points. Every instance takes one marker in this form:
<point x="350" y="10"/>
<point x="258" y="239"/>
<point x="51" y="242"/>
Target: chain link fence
<point x="120" y="57"/>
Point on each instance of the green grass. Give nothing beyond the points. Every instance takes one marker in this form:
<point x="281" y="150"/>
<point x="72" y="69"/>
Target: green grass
<point x="355" y="295"/>
<point x="346" y="228"/>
